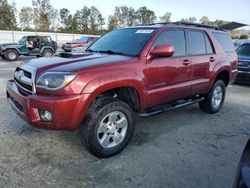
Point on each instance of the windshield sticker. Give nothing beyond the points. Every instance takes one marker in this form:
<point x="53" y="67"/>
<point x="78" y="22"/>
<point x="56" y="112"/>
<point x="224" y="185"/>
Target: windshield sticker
<point x="145" y="31"/>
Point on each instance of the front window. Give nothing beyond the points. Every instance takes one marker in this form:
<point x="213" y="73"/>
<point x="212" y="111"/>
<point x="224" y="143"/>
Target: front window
<point x="23" y="40"/>
<point x="244" y="50"/>
<point x="83" y="39"/>
<point x="128" y="42"/>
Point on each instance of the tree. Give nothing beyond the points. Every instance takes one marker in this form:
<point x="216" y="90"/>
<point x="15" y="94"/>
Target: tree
<point x="204" y="20"/>
<point x="131" y="17"/>
<point x="84" y="14"/>
<point x="190" y="19"/>
<point x="95" y="20"/>
<point x="112" y="23"/>
<point x="64" y="17"/>
<point x="54" y="18"/>
<point x="43" y="13"/>
<point x="219" y="23"/>
<point x="7" y="18"/>
<point x="166" y="17"/>
<point x="145" y="16"/>
<point x="125" y="16"/>
<point x="26" y="18"/>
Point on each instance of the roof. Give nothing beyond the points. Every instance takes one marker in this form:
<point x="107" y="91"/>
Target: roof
<point x="179" y="24"/>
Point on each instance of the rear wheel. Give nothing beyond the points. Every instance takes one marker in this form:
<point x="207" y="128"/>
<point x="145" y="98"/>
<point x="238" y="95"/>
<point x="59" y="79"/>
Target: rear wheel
<point x="214" y="99"/>
<point x="47" y="53"/>
<point x="108" y="127"/>
<point x="11" y="55"/>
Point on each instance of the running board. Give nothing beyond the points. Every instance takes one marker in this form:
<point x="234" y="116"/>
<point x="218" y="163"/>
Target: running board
<point x="152" y="113"/>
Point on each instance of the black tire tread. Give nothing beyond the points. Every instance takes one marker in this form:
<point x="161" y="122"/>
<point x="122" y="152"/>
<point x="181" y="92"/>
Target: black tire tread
<point x="97" y="110"/>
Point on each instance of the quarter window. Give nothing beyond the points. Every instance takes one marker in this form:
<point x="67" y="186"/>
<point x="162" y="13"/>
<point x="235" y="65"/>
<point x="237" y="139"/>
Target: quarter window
<point x="225" y="41"/>
<point x="174" y="37"/>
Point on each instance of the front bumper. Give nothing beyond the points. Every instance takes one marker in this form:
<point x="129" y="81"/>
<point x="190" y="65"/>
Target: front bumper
<point x="243" y="77"/>
<point x="67" y="111"/>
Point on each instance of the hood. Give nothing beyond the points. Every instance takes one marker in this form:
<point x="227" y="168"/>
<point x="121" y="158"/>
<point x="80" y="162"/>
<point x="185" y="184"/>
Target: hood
<point x="9" y="45"/>
<point x="74" y="63"/>
<point x="244" y="58"/>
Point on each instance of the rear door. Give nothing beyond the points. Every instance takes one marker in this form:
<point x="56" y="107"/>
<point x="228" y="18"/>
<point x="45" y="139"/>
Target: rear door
<point x="202" y="54"/>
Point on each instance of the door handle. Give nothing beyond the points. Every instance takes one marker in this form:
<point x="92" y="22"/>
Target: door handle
<point x="211" y="59"/>
<point x="186" y="62"/>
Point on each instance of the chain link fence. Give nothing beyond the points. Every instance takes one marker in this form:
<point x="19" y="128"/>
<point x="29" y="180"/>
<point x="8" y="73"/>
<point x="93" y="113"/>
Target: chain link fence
<point x="15" y="36"/>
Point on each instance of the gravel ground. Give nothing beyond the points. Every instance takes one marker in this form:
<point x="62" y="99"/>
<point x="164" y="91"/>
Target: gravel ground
<point x="183" y="148"/>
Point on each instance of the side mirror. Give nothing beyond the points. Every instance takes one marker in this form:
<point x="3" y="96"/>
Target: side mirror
<point x="162" y="50"/>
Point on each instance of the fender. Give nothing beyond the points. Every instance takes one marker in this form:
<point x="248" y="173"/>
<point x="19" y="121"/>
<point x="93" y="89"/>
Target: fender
<point x="46" y="47"/>
<point x="13" y="48"/>
<point x="217" y="69"/>
<point x="107" y="82"/>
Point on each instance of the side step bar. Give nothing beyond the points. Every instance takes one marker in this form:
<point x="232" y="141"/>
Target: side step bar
<point x="152" y="113"/>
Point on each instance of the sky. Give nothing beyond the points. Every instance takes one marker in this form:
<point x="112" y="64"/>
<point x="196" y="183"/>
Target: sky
<point x="228" y="10"/>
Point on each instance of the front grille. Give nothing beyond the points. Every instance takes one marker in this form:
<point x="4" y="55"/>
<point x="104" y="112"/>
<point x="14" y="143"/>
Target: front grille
<point x="244" y="63"/>
<point x="23" y="80"/>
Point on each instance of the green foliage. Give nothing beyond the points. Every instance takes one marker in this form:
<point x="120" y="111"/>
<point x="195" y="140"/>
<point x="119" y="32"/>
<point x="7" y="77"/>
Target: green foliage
<point x="43" y="13"/>
<point x="26" y="18"/>
<point x="166" y="17"/>
<point x="88" y="20"/>
<point x="7" y="18"/>
<point x="112" y="23"/>
<point x="145" y="16"/>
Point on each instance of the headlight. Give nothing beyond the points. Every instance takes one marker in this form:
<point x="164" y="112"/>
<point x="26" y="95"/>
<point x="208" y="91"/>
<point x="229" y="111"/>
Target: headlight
<point x="55" y="80"/>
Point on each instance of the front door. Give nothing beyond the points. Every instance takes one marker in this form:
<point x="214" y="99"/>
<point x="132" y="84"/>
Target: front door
<point x="171" y="76"/>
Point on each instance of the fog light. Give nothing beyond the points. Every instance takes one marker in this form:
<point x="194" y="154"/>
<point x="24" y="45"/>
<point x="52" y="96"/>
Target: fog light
<point x="45" y="115"/>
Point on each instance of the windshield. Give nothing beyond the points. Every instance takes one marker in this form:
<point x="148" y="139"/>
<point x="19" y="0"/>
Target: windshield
<point x="244" y="50"/>
<point x="82" y="39"/>
<point x="123" y="41"/>
<point x="22" y="40"/>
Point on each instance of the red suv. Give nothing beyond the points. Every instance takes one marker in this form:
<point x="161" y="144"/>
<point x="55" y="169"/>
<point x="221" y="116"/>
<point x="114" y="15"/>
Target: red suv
<point x="143" y="70"/>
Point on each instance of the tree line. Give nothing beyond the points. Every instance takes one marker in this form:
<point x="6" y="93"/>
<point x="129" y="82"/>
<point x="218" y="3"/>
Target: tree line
<point x="42" y="16"/>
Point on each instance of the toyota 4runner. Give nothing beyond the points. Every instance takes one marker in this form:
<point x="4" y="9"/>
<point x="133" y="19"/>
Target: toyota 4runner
<point x="143" y="70"/>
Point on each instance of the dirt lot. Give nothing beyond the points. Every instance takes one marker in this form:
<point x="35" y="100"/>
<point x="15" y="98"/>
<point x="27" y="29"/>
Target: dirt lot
<point x="183" y="148"/>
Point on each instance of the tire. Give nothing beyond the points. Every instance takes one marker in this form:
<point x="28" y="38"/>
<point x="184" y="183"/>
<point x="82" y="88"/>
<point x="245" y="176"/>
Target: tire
<point x="214" y="99"/>
<point x="11" y="55"/>
<point x="3" y="57"/>
<point x="104" y="141"/>
<point x="47" y="53"/>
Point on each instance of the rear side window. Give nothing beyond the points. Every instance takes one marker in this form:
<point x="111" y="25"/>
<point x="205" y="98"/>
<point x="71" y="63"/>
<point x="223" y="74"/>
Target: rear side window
<point x="197" y="43"/>
<point x="225" y="41"/>
<point x="174" y="37"/>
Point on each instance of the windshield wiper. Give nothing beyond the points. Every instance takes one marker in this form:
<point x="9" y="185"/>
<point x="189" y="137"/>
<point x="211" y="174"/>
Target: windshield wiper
<point x="109" y="52"/>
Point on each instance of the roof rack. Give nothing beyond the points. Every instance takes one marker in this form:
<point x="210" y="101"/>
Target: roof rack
<point x="186" y="24"/>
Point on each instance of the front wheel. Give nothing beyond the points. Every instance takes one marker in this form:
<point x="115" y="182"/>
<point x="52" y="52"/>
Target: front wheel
<point x="108" y="128"/>
<point x="215" y="98"/>
<point x="3" y="57"/>
<point x="11" y="55"/>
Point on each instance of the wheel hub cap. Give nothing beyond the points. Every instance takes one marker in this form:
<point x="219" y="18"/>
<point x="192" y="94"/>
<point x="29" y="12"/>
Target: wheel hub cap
<point x="112" y="129"/>
<point x="217" y="97"/>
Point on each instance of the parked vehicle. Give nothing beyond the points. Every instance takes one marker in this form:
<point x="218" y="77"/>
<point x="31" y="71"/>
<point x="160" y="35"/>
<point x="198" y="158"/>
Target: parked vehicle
<point x="243" y="52"/>
<point x="242" y="179"/>
<point x="80" y="50"/>
<point x="28" y="46"/>
<point x="144" y="70"/>
<point x="79" y="43"/>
